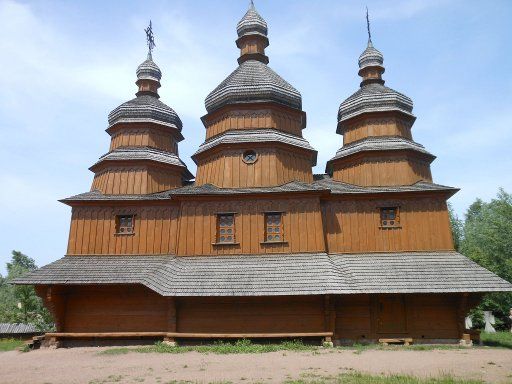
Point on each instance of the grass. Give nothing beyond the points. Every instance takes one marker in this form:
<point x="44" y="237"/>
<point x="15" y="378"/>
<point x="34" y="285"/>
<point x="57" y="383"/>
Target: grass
<point x="361" y="378"/>
<point x="498" y="339"/>
<point x="10" y="344"/>
<point x="221" y="348"/>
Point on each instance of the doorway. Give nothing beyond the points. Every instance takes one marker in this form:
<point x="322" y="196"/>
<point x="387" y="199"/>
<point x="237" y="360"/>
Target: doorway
<point x="391" y="314"/>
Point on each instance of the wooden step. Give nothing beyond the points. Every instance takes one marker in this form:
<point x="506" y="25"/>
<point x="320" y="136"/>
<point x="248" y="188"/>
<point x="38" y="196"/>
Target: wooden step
<point x="404" y="341"/>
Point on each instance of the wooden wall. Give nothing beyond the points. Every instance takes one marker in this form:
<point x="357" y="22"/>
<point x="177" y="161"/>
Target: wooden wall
<point x="143" y="137"/>
<point x="391" y="169"/>
<point x="302" y="226"/>
<point x="273" y="167"/>
<point x="354" y="226"/>
<point x="377" y="126"/>
<point x="252" y="118"/>
<point x="93" y="230"/>
<point x="250" y="314"/>
<point x="118" y="308"/>
<point x="425" y="316"/>
<point x="129" y="180"/>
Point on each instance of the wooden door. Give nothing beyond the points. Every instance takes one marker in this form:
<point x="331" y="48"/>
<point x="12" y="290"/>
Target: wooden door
<point x="391" y="315"/>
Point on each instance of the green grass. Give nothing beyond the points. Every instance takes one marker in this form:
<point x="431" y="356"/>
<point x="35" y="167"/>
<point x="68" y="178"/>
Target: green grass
<point x="222" y="348"/>
<point x="10" y="344"/>
<point x="360" y="378"/>
<point x="498" y="339"/>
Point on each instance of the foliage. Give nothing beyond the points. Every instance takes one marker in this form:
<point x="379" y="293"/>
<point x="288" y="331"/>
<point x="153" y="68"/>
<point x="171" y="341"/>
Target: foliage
<point x="498" y="339"/>
<point x="362" y="378"/>
<point x="487" y="239"/>
<point x="19" y="303"/>
<point x="221" y="348"/>
<point x="10" y="344"/>
<point x="457" y="226"/>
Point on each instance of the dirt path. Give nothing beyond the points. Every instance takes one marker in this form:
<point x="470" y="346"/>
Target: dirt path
<point x="85" y="365"/>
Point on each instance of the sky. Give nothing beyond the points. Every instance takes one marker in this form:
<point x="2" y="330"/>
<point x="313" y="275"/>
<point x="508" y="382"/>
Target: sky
<point x="66" y="64"/>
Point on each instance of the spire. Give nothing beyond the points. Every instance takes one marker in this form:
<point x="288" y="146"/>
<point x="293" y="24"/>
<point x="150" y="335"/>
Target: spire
<point x="148" y="73"/>
<point x="368" y="27"/>
<point x="252" y="36"/>
<point x="371" y="61"/>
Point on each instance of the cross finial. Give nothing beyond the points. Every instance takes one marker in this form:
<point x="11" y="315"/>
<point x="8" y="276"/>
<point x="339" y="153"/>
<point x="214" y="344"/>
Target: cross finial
<point x="368" y="26"/>
<point x="251" y="4"/>
<point x="150" y="38"/>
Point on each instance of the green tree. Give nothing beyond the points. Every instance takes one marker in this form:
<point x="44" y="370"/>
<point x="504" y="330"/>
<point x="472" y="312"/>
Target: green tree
<point x="19" y="303"/>
<point x="487" y="240"/>
<point x="457" y="226"/>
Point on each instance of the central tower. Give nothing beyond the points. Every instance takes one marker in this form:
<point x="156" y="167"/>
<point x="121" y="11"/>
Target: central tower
<point x="254" y="122"/>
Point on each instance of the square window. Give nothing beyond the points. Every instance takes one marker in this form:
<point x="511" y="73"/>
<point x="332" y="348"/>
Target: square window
<point x="125" y="224"/>
<point x="389" y="217"/>
<point x="273" y="227"/>
<point x="226" y="228"/>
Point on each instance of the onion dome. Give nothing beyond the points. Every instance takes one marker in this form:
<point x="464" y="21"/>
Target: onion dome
<point x="146" y="107"/>
<point x="373" y="96"/>
<point x="371" y="57"/>
<point x="253" y="81"/>
<point x="148" y="70"/>
<point x="252" y="23"/>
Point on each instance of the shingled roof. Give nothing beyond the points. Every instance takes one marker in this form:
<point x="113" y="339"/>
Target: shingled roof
<point x="279" y="274"/>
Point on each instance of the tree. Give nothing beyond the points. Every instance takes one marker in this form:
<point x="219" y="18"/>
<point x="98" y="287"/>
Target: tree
<point x="19" y="303"/>
<point x="487" y="240"/>
<point x="457" y="226"/>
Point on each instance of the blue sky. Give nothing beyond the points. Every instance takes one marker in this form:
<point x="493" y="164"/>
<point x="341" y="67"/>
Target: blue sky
<point x="65" y="65"/>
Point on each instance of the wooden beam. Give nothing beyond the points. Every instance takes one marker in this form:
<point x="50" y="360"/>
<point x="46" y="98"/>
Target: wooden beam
<point x="185" y="335"/>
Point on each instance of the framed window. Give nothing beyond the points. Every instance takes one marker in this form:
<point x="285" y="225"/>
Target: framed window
<point x="250" y="157"/>
<point x="125" y="224"/>
<point x="390" y="217"/>
<point x="225" y="228"/>
<point x="273" y="227"/>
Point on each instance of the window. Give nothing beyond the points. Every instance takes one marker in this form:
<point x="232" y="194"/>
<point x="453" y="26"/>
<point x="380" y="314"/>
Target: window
<point x="226" y="228"/>
<point x="389" y="217"/>
<point x="124" y="224"/>
<point x="250" y="157"/>
<point x="273" y="227"/>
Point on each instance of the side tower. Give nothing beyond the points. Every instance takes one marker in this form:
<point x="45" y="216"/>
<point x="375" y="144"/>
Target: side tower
<point x="376" y="122"/>
<point x="145" y="133"/>
<point x="254" y="122"/>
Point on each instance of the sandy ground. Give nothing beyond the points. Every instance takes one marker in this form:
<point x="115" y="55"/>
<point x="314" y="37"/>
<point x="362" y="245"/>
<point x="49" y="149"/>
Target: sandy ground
<point x="85" y="365"/>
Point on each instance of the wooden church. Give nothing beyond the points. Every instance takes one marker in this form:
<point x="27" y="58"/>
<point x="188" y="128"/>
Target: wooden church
<point x="256" y="245"/>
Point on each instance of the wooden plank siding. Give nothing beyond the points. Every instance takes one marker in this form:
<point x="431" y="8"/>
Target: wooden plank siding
<point x="427" y="316"/>
<point x="116" y="308"/>
<point x="129" y="180"/>
<point x="144" y="135"/>
<point x="353" y="226"/>
<point x="302" y="226"/>
<point x="273" y="167"/>
<point x="92" y="230"/>
<point x="290" y="314"/>
<point x="382" y="170"/>
<point x="273" y="117"/>
<point x="378" y="125"/>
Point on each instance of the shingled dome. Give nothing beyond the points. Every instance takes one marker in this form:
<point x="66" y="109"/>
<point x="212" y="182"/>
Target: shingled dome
<point x="251" y="23"/>
<point x="374" y="97"/>
<point x="253" y="81"/>
<point x="145" y="108"/>
<point x="148" y="70"/>
<point x="371" y="57"/>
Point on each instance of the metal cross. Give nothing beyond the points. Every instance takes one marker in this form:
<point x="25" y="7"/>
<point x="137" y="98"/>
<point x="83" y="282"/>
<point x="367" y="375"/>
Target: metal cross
<point x="150" y="38"/>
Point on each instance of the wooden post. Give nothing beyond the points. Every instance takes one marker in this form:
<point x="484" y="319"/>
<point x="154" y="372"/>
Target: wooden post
<point x="329" y="318"/>
<point x="171" y="321"/>
<point x="461" y="315"/>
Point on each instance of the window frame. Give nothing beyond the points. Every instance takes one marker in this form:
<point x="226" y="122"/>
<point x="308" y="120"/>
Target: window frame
<point x="384" y="221"/>
<point x="218" y="228"/>
<point x="266" y="227"/>
<point x="250" y="161"/>
<point x="118" y="227"/>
